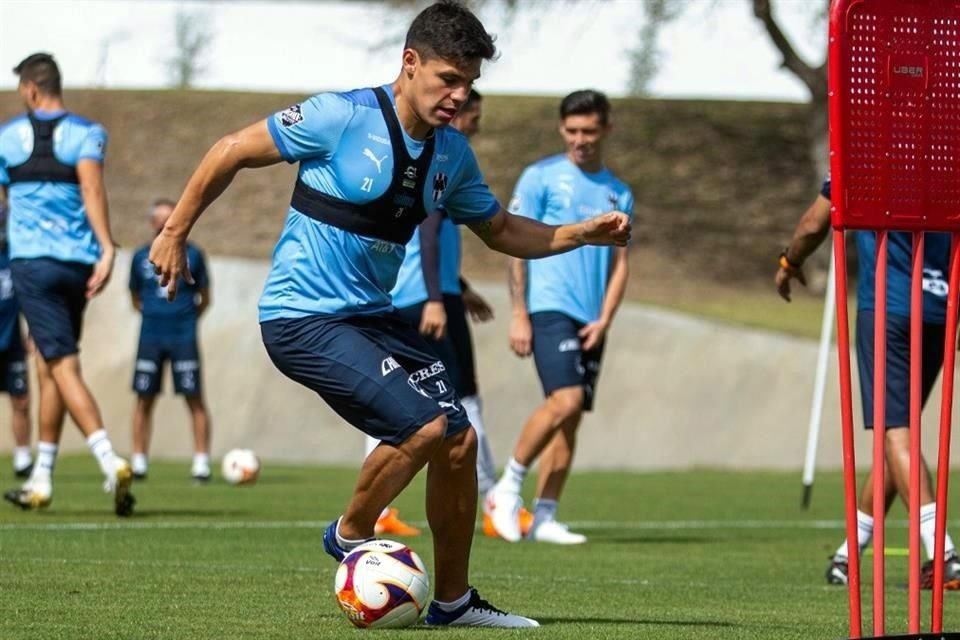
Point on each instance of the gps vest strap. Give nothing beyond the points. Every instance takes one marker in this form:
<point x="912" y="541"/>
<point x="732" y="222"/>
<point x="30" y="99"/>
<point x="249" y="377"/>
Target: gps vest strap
<point x="42" y="165"/>
<point x="393" y="216"/>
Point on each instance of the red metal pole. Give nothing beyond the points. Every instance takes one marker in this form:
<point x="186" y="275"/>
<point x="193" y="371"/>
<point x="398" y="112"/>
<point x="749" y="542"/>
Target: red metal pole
<point x="846" y="431"/>
<point x="879" y="430"/>
<point x="916" y="368"/>
<point x="946" y="411"/>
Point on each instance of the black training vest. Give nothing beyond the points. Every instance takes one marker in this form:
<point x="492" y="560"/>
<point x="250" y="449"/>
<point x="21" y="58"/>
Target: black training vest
<point x="393" y="216"/>
<point x="42" y="165"/>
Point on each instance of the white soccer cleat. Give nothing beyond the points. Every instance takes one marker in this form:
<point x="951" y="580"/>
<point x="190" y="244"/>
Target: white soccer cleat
<point x="554" y="532"/>
<point x="119" y="485"/>
<point x="32" y="494"/>
<point x="476" y="613"/>
<point x="506" y="514"/>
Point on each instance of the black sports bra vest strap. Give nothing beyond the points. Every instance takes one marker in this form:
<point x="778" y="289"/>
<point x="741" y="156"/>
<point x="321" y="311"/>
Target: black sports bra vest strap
<point x="42" y="165"/>
<point x="394" y="215"/>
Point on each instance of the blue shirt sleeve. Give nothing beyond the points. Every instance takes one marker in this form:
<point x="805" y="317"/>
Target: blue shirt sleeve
<point x="311" y="129"/>
<point x="825" y="187"/>
<point x="471" y="200"/>
<point x="94" y="145"/>
<point x="626" y="203"/>
<point x="527" y="200"/>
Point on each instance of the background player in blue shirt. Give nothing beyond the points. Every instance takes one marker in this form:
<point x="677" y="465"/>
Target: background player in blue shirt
<point x="373" y="163"/>
<point x="13" y="359"/>
<point x="61" y="255"/>
<point x="169" y="333"/>
<point x="813" y="227"/>
<point x="562" y="308"/>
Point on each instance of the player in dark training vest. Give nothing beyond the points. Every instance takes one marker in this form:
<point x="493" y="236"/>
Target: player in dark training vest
<point x="368" y="163"/>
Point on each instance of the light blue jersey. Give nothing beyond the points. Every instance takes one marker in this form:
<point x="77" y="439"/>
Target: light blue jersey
<point x="555" y="191"/>
<point x="48" y="219"/>
<point x="343" y="145"/>
<point x="411" y="288"/>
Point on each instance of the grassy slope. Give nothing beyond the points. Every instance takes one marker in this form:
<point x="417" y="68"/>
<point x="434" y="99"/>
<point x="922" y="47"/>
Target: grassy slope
<point x="718" y="185"/>
<point x="191" y="564"/>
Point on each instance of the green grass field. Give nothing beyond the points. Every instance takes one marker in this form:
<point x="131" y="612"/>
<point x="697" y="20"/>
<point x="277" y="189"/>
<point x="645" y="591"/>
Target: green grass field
<point x="699" y="554"/>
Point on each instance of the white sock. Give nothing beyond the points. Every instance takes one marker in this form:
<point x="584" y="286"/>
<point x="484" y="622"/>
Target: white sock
<point x="345" y="543"/>
<point x="513" y="475"/>
<point x="928" y="524"/>
<point x="201" y="461"/>
<point x="139" y="463"/>
<point x="384" y="513"/>
<point x="864" y="535"/>
<point x="544" y="510"/>
<point x="486" y="469"/>
<point x="453" y="605"/>
<point x="99" y="444"/>
<point x="370" y="443"/>
<point x="46" y="459"/>
<point x="21" y="458"/>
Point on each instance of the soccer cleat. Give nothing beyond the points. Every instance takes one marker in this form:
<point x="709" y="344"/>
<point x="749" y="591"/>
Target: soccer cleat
<point x="951" y="573"/>
<point x="837" y="571"/>
<point x="119" y="486"/>
<point x="390" y="524"/>
<point x="526" y="521"/>
<point x="23" y="472"/>
<point x="200" y="473"/>
<point x="505" y="514"/>
<point x="555" y="533"/>
<point x="476" y="613"/>
<point x="30" y="496"/>
<point x="139" y="476"/>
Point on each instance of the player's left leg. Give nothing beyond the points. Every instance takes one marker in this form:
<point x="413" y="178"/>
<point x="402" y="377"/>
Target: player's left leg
<point x="13" y="373"/>
<point x="188" y="382"/>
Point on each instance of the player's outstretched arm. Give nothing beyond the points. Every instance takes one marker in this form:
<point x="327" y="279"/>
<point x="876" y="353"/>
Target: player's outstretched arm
<point x="248" y="148"/>
<point x="809" y="234"/>
<point x="522" y="237"/>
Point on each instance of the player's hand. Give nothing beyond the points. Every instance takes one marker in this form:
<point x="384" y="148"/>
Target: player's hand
<point x="612" y="227"/>
<point x="521" y="335"/>
<point x="591" y="335"/>
<point x="476" y="306"/>
<point x="782" y="280"/>
<point x="101" y="272"/>
<point x="433" y="320"/>
<point x="169" y="259"/>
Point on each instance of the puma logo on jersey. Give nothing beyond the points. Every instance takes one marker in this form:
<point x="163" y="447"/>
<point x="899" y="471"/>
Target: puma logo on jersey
<point x="373" y="158"/>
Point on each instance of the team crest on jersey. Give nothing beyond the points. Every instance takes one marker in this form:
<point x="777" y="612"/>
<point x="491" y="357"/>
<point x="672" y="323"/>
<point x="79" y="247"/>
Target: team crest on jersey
<point x="439" y="186"/>
<point x="613" y="200"/>
<point x="410" y="177"/>
<point x="291" y="116"/>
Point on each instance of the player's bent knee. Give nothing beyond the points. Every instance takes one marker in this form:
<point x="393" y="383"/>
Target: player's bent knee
<point x="567" y="402"/>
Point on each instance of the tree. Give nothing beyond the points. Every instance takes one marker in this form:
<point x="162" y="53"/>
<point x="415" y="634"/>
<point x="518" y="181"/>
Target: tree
<point x="193" y="35"/>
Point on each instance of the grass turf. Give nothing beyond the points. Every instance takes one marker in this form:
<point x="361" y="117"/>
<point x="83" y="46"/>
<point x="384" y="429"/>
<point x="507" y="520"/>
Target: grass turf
<point x="698" y="554"/>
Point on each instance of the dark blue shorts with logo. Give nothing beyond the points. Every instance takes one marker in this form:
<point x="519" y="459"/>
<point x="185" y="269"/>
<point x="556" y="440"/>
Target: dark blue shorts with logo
<point x="375" y="371"/>
<point x="560" y="361"/>
<point x="52" y="296"/>
<point x="13" y="367"/>
<point x="184" y="358"/>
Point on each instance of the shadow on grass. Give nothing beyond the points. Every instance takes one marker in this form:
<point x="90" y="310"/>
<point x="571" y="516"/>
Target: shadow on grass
<point x="637" y="621"/>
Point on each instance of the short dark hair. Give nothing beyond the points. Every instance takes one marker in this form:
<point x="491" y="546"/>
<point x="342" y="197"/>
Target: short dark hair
<point x="472" y="99"/>
<point x="449" y="31"/>
<point x="42" y="70"/>
<point x="164" y="202"/>
<point x="585" y="102"/>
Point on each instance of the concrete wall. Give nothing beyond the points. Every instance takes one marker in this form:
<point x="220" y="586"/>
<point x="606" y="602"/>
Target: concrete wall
<point x="675" y="391"/>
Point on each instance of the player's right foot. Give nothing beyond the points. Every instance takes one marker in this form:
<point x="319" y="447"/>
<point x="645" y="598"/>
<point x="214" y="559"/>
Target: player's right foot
<point x="526" y="521"/>
<point x="119" y="486"/>
<point x="555" y="533"/>
<point x="476" y="613"/>
<point x="951" y="573"/>
<point x="506" y="514"/>
<point x="837" y="571"/>
<point x="23" y="472"/>
<point x="330" y="544"/>
<point x="390" y="523"/>
<point x="30" y="496"/>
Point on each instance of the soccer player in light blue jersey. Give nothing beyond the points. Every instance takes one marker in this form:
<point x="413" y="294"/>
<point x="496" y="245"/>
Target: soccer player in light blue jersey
<point x="811" y="230"/>
<point x="168" y="332"/>
<point x="562" y="309"/>
<point x="61" y="255"/>
<point x="373" y="163"/>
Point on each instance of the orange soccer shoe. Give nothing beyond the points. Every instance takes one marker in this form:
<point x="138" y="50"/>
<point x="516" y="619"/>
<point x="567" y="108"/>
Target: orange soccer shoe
<point x="391" y="524"/>
<point x="526" y="520"/>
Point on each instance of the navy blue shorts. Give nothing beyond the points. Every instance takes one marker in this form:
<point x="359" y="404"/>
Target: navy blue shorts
<point x="184" y="358"/>
<point x="898" y="365"/>
<point x="13" y="367"/>
<point x="52" y="296"/>
<point x="456" y="347"/>
<point x="560" y="362"/>
<point x="376" y="371"/>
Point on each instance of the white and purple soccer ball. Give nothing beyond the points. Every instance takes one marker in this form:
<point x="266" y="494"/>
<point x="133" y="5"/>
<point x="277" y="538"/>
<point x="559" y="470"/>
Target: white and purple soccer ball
<point x="240" y="466"/>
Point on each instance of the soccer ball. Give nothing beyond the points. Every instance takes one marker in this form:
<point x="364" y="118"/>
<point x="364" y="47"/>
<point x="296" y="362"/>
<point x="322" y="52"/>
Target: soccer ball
<point x="240" y="466"/>
<point x="382" y="585"/>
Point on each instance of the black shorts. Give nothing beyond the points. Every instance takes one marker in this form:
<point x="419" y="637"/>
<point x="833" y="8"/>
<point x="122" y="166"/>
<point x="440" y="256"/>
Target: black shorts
<point x="52" y="296"/>
<point x="898" y="365"/>
<point x="13" y="366"/>
<point x="184" y="360"/>
<point x="375" y="371"/>
<point x="560" y="362"/>
<point x="455" y="349"/>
